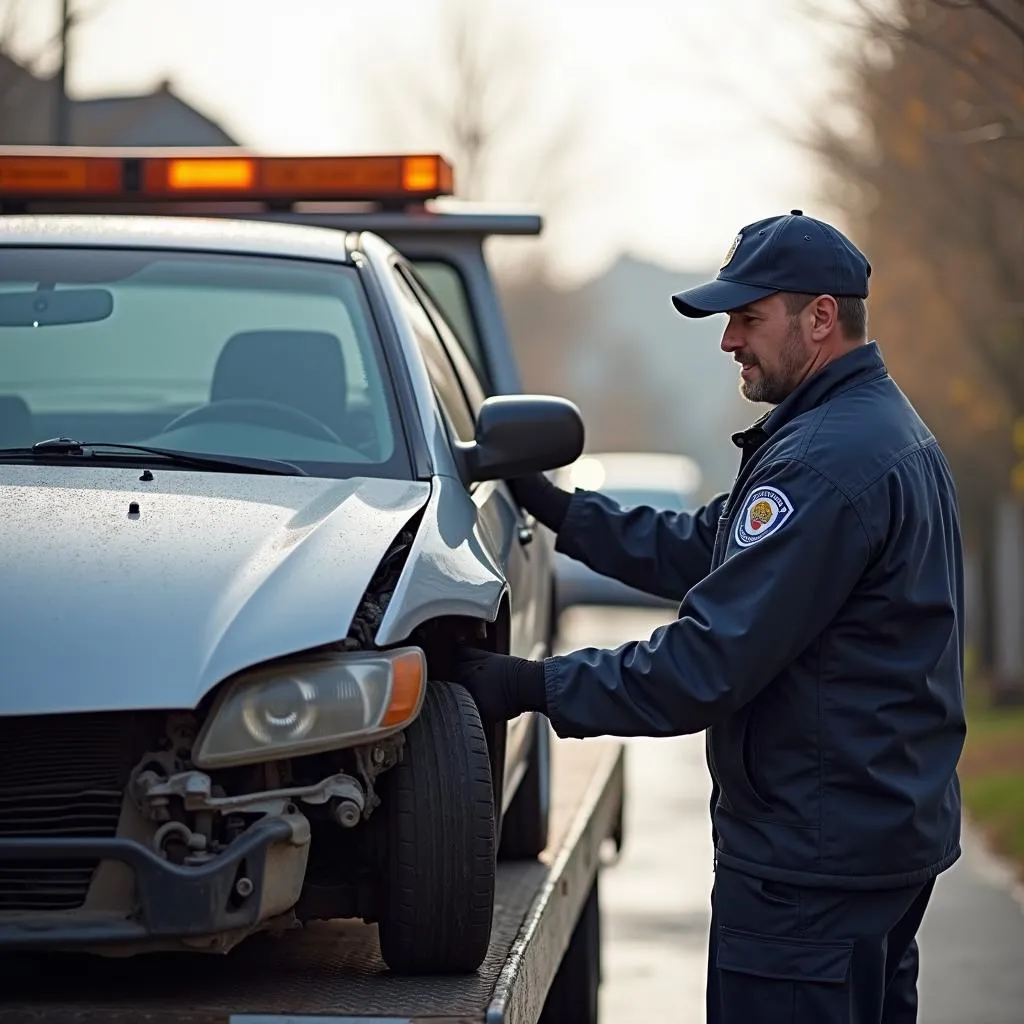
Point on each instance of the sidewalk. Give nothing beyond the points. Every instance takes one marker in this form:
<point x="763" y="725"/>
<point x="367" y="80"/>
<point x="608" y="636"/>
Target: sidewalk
<point x="655" y="900"/>
<point x="972" y="944"/>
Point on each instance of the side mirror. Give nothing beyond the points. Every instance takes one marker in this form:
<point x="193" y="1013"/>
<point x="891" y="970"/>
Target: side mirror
<point x="521" y="434"/>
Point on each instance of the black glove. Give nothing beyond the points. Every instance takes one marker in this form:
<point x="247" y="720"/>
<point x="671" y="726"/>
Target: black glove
<point x="503" y="686"/>
<point x="541" y="498"/>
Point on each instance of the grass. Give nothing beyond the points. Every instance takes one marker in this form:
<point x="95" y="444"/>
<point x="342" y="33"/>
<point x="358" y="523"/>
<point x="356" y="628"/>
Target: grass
<point x="996" y="802"/>
<point x="992" y="773"/>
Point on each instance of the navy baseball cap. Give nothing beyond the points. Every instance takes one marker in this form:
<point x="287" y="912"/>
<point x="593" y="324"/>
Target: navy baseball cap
<point x="791" y="253"/>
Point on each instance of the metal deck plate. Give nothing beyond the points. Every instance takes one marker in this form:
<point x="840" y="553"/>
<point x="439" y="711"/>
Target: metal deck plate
<point x="331" y="970"/>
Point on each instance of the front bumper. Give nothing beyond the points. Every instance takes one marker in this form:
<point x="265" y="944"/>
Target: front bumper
<point x="172" y="901"/>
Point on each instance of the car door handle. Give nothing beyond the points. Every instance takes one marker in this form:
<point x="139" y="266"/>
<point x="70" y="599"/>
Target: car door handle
<point x="526" y="534"/>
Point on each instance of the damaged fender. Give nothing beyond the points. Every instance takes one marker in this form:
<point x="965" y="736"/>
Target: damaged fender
<point x="450" y="569"/>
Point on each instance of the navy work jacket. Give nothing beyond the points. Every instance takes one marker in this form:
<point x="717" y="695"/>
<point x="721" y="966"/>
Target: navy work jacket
<point x="819" y="639"/>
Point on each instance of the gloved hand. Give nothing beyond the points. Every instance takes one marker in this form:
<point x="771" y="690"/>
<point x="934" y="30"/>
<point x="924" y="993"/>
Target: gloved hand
<point x="503" y="686"/>
<point x="541" y="498"/>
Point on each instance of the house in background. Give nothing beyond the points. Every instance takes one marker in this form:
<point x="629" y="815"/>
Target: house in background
<point x="157" y="118"/>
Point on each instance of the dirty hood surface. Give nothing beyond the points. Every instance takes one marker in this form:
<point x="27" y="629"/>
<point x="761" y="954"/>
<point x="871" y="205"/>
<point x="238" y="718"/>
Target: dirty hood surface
<point x="103" y="609"/>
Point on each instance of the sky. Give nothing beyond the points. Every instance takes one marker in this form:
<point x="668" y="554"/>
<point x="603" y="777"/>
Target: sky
<point x="679" y="102"/>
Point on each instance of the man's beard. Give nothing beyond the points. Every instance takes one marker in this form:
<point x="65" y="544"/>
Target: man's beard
<point x="775" y="387"/>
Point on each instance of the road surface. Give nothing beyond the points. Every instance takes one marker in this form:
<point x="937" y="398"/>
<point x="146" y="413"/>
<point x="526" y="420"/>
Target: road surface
<point x="655" y="900"/>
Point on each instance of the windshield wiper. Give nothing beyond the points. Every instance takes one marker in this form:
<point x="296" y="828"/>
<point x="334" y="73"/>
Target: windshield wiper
<point x="70" y="447"/>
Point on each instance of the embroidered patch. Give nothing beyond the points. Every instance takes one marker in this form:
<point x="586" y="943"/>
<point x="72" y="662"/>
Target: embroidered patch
<point x="767" y="508"/>
<point x="732" y="250"/>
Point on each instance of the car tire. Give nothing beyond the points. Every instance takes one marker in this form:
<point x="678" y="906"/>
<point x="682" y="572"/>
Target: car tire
<point x="438" y="803"/>
<point x="524" y="830"/>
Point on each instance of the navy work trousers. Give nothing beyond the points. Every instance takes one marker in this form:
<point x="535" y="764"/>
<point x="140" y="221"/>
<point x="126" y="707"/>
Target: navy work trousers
<point x="786" y="954"/>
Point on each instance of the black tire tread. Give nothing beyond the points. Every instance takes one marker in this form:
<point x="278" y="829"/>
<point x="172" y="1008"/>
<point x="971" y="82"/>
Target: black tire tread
<point x="439" y="899"/>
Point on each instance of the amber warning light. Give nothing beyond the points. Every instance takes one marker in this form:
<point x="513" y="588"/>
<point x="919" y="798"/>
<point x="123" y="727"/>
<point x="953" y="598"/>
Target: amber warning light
<point x="27" y="174"/>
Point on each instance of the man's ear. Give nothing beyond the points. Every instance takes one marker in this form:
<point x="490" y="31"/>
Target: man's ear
<point x="824" y="312"/>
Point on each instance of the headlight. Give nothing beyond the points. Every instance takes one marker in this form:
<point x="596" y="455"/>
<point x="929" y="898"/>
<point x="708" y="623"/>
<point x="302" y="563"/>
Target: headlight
<point x="310" y="704"/>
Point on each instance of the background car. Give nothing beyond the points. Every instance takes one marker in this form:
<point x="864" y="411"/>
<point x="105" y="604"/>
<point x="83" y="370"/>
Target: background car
<point x="661" y="480"/>
<point x="254" y="501"/>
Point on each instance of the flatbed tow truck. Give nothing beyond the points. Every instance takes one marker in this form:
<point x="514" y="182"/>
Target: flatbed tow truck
<point x="544" y="961"/>
<point x="543" y="964"/>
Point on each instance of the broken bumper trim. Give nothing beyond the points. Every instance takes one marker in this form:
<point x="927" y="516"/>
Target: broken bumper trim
<point x="174" y="901"/>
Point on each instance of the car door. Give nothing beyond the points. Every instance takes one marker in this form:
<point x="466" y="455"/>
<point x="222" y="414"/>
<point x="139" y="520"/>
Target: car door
<point x="511" y="535"/>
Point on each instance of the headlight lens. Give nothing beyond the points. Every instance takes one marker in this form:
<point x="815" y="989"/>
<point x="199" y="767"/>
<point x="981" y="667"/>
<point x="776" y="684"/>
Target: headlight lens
<point x="310" y="704"/>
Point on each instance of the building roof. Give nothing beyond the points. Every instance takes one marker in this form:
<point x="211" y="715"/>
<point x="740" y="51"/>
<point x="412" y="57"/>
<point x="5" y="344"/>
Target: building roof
<point x="157" y="118"/>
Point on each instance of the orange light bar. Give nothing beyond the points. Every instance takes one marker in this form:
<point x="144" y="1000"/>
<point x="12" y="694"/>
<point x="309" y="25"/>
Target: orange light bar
<point x="298" y="178"/>
<point x="55" y="172"/>
<point x="29" y="175"/>
<point x="184" y="175"/>
<point x="421" y="174"/>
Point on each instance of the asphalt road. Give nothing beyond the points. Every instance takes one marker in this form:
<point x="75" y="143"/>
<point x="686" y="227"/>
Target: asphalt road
<point x="655" y="899"/>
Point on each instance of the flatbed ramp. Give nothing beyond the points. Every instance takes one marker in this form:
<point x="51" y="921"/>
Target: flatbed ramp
<point x="332" y="971"/>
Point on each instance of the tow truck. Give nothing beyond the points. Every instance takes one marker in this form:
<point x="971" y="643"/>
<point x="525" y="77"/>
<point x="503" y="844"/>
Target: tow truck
<point x="544" y="960"/>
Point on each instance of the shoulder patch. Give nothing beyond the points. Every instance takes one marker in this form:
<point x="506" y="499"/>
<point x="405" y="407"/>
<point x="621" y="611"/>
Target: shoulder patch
<point x="764" y="512"/>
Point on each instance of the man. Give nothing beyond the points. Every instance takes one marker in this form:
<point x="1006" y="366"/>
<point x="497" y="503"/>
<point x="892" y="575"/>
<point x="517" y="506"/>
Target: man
<point x="819" y="642"/>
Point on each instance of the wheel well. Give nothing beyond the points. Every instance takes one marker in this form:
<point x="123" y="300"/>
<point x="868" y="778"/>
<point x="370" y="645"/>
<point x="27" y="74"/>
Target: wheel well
<point x="439" y="638"/>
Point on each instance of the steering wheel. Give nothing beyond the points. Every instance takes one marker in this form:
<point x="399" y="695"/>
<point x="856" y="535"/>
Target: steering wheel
<point x="261" y="412"/>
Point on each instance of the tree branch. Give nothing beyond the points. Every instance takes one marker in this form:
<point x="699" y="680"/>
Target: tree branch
<point x="995" y="131"/>
<point x="9" y="25"/>
<point x="1002" y="17"/>
<point x="472" y="87"/>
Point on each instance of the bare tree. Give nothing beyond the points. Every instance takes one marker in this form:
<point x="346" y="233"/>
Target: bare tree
<point x="22" y="67"/>
<point x="34" y="60"/>
<point x="477" y="90"/>
<point x="923" y="148"/>
<point x="938" y="89"/>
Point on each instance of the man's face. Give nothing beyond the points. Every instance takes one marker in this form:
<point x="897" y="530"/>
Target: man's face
<point x="773" y="347"/>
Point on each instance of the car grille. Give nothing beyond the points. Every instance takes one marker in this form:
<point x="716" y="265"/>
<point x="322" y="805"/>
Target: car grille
<point x="63" y="776"/>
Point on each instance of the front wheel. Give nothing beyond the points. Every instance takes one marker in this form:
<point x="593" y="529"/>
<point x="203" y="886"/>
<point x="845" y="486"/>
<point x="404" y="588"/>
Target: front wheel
<point x="438" y="898"/>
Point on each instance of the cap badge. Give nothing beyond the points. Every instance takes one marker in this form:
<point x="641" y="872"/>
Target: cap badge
<point x="732" y="251"/>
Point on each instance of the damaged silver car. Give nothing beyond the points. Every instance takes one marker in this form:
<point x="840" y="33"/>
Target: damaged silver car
<point x="252" y="499"/>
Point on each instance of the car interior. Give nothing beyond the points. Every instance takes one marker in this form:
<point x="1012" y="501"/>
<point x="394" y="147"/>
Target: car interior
<point x="291" y="380"/>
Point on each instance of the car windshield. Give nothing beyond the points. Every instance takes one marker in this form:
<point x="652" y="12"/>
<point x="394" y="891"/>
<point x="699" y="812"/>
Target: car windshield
<point x="230" y="355"/>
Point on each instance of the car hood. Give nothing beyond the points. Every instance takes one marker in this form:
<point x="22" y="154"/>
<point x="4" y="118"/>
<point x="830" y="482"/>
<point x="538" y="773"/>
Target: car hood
<point x="103" y="608"/>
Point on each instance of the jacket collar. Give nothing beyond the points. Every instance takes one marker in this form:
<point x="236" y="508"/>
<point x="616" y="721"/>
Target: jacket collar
<point x="862" y="364"/>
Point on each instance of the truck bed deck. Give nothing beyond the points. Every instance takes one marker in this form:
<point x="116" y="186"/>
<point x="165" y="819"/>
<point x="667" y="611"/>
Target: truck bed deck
<point x="332" y="971"/>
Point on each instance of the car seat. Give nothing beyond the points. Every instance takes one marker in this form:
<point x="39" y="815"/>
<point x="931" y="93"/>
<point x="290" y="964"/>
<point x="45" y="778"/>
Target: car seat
<point x="301" y="369"/>
<point x="16" y="425"/>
